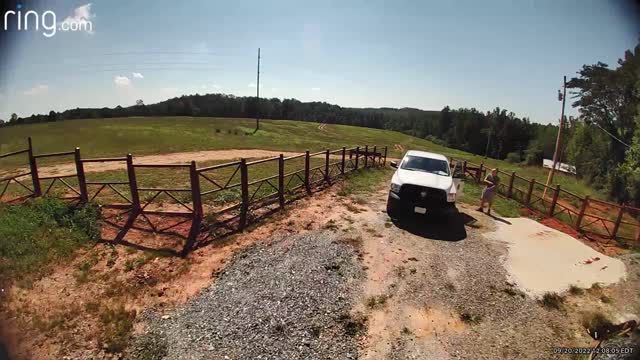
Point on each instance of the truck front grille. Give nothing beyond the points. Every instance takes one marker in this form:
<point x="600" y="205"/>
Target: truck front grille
<point x="423" y="196"/>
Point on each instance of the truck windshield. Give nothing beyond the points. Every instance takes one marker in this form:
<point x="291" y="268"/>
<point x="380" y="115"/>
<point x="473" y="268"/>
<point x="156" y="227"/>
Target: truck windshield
<point x="417" y="163"/>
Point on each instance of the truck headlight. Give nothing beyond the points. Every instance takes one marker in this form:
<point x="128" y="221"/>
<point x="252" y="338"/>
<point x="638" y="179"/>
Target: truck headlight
<point x="451" y="197"/>
<point x="395" y="188"/>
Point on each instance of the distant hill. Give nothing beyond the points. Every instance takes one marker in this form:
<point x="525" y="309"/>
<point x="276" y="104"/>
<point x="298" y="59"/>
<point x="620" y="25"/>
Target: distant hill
<point x="464" y="129"/>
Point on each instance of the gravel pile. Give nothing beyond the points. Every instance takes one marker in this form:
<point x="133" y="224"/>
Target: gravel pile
<point x="287" y="299"/>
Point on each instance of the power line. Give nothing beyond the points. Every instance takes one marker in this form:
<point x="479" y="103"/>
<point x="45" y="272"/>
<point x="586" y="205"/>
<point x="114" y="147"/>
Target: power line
<point x="610" y="134"/>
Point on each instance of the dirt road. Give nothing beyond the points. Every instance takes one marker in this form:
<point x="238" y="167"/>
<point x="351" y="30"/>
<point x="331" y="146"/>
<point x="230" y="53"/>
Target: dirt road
<point x="172" y="158"/>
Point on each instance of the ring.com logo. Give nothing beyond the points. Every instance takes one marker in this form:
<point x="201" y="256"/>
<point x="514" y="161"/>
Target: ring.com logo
<point x="22" y="19"/>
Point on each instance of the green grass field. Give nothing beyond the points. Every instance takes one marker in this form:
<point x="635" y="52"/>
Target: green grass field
<point x="142" y="136"/>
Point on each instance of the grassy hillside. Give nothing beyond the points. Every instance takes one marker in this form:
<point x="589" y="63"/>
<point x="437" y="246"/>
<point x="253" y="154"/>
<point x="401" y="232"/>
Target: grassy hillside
<point x="140" y="136"/>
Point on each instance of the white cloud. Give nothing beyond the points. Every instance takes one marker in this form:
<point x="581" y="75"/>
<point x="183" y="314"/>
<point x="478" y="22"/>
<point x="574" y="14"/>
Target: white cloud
<point x="81" y="15"/>
<point x="253" y="85"/>
<point x="315" y="89"/>
<point x="122" y="81"/>
<point x="36" y="90"/>
<point x="137" y="75"/>
<point x="274" y="89"/>
<point x="169" y="89"/>
<point x="215" y="86"/>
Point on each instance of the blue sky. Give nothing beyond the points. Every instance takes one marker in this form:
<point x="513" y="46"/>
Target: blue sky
<point x="423" y="54"/>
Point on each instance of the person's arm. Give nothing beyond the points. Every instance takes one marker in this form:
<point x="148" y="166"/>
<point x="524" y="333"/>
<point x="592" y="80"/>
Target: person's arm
<point x="487" y="181"/>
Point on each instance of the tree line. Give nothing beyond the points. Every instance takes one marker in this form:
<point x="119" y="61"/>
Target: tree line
<point x="603" y="143"/>
<point x="464" y="129"/>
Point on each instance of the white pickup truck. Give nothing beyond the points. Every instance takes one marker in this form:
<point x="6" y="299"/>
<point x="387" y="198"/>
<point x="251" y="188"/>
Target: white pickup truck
<point x="423" y="183"/>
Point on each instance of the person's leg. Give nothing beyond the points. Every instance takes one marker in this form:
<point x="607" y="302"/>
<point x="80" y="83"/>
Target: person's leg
<point x="489" y="203"/>
<point x="481" y="208"/>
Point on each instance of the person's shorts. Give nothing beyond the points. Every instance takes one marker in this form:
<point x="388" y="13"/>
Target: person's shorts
<point x="488" y="194"/>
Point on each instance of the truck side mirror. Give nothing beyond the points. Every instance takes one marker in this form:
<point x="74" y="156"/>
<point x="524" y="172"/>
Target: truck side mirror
<point x="393" y="164"/>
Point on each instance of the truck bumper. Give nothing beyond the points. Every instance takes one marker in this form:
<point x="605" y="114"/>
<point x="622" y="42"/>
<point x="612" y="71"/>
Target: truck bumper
<point x="396" y="206"/>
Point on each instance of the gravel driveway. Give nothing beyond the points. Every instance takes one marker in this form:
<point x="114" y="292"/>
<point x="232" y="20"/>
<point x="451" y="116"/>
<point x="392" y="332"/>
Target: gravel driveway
<point x="286" y="299"/>
<point x="361" y="286"/>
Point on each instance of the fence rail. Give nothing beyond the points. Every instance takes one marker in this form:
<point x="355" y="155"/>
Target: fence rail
<point x="245" y="190"/>
<point x="588" y="216"/>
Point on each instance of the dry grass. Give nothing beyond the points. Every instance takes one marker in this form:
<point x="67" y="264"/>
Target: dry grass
<point x="552" y="300"/>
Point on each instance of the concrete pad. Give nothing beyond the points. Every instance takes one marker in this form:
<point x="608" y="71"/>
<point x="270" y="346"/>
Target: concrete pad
<point x="541" y="259"/>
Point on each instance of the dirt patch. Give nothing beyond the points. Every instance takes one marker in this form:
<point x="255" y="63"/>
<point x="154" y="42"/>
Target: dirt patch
<point x="141" y="273"/>
<point x="599" y="243"/>
<point x="172" y="158"/>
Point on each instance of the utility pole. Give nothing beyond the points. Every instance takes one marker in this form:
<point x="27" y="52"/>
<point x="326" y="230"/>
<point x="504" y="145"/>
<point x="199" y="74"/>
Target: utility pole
<point x="258" y="95"/>
<point x="562" y="97"/>
<point x="486" y="152"/>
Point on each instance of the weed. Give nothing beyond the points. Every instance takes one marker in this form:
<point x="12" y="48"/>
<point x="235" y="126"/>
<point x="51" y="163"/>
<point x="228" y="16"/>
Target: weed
<point x="183" y="268"/>
<point x="575" y="290"/>
<point x="354" y="209"/>
<point x="551" y="300"/>
<point x="469" y="318"/>
<point x="513" y="292"/>
<point x="360" y="200"/>
<point x="406" y="331"/>
<point x="117" y="323"/>
<point x="399" y="271"/>
<point x="91" y="307"/>
<point x="595" y="289"/>
<point x="331" y="225"/>
<point x="594" y="319"/>
<point x="377" y="302"/>
<point x="353" y="325"/>
<point x="605" y="299"/>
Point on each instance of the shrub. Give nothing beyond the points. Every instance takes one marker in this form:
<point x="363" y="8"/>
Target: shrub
<point x="513" y="158"/>
<point x="551" y="300"/>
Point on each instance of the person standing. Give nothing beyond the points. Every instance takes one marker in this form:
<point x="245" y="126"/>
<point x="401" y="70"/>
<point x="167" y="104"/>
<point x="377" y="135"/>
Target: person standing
<point x="491" y="181"/>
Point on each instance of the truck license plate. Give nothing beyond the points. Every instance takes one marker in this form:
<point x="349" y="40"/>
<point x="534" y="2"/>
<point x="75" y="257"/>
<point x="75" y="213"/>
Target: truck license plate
<point x="420" y="210"/>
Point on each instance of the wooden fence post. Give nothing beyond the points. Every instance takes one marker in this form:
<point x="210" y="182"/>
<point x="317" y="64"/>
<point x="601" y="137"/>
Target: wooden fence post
<point x="464" y="167"/>
<point x="344" y="152"/>
<point x="281" y="181"/>
<point x="373" y="158"/>
<point x="530" y="191"/>
<point x="37" y="191"/>
<point x="244" y="186"/>
<point x="357" y="156"/>
<point x="82" y="180"/>
<point x="366" y="155"/>
<point x="554" y="201"/>
<point x="327" y="178"/>
<point x="510" y="189"/>
<point x="479" y="172"/>
<point x="384" y="162"/>
<point x="583" y="208"/>
<point x="618" y="221"/>
<point x="196" y="197"/>
<point x="307" y="182"/>
<point x="133" y="185"/>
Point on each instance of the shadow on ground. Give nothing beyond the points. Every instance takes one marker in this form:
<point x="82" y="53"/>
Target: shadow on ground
<point x="437" y="227"/>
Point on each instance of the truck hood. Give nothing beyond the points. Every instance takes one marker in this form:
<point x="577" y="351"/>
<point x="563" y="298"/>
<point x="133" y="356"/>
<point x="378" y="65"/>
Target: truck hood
<point x="422" y="178"/>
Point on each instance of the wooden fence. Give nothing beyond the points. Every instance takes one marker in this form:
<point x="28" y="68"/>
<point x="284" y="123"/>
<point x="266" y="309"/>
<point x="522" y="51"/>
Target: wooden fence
<point x="585" y="215"/>
<point x="246" y="192"/>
